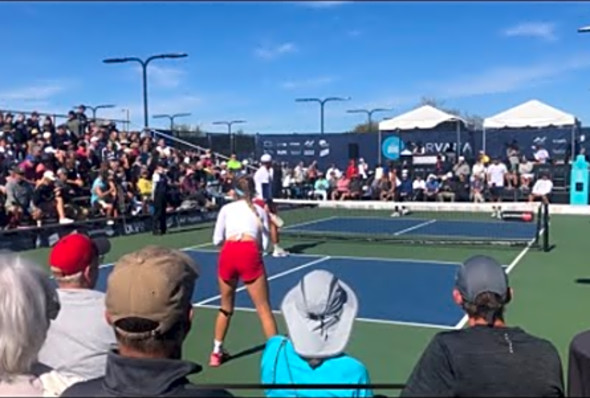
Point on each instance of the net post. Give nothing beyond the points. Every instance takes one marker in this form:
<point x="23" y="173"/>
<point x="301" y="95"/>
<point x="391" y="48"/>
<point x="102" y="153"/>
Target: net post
<point x="546" y="227"/>
<point x="539" y="225"/>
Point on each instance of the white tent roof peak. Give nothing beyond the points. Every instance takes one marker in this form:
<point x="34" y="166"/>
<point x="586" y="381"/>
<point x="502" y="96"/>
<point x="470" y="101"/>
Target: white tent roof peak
<point x="424" y="117"/>
<point x="533" y="113"/>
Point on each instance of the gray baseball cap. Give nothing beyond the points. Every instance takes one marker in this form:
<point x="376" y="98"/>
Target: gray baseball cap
<point x="481" y="274"/>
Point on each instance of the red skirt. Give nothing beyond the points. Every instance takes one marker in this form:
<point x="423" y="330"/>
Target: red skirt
<point x="240" y="259"/>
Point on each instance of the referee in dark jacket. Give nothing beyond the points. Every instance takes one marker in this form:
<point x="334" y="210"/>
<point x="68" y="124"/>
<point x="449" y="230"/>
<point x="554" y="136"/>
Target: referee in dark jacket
<point x="160" y="199"/>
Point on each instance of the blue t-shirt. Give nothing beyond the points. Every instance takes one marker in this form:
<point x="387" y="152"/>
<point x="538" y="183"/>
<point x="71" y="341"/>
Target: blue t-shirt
<point x="292" y="369"/>
<point x="98" y="182"/>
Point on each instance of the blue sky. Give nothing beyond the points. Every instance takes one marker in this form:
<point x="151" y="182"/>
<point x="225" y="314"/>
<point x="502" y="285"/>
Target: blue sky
<point x="250" y="60"/>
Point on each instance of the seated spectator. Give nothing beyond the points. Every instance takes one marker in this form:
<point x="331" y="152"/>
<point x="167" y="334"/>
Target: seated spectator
<point x="542" y="189"/>
<point x="447" y="190"/>
<point x="355" y="187"/>
<point x="28" y="304"/>
<point x="525" y="170"/>
<point x="541" y="155"/>
<point x="488" y="358"/>
<point x="79" y="338"/>
<point x="461" y="168"/>
<point x="67" y="193"/>
<point x="477" y="189"/>
<point x="335" y="170"/>
<point x="419" y="187"/>
<point x="404" y="191"/>
<point x="342" y="190"/>
<point x="145" y="188"/>
<point x="103" y="194"/>
<point x="432" y="188"/>
<point x="233" y="164"/>
<point x="150" y="328"/>
<point x="462" y="188"/>
<point x="48" y="200"/>
<point x="319" y="313"/>
<point x="321" y="187"/>
<point x="19" y="198"/>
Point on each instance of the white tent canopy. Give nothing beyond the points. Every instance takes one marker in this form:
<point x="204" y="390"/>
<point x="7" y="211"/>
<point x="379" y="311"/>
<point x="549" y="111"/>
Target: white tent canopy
<point x="425" y="117"/>
<point x="532" y="113"/>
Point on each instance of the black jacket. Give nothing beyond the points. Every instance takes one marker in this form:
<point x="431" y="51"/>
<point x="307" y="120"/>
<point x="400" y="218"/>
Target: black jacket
<point x="132" y="377"/>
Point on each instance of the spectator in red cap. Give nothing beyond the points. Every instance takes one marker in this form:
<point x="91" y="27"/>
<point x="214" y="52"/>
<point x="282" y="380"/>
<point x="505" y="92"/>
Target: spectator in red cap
<point x="79" y="338"/>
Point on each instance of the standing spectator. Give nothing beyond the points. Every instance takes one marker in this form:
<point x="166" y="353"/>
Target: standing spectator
<point x="404" y="191"/>
<point x="496" y="177"/>
<point x="488" y="358"/>
<point x="352" y="169"/>
<point x="79" y="338"/>
<point x="160" y="192"/>
<point x="150" y="328"/>
<point x="333" y="169"/>
<point x="29" y="304"/>
<point x="542" y="189"/>
<point x="319" y="313"/>
<point x="363" y="168"/>
<point x="477" y="189"/>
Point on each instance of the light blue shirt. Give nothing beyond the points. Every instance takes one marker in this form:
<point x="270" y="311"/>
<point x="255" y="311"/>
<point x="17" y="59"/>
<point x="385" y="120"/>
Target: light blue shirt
<point x="281" y="365"/>
<point x="98" y="182"/>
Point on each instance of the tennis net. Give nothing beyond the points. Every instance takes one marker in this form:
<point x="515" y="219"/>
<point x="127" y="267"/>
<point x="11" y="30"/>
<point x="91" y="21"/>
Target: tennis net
<point x="513" y="224"/>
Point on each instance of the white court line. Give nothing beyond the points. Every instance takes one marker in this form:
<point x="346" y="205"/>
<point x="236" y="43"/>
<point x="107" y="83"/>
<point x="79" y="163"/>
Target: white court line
<point x="510" y="267"/>
<point x="270" y="278"/>
<point x="381" y="259"/>
<point x="310" y="222"/>
<point x="183" y="249"/>
<point x="366" y="320"/>
<point x="403" y="231"/>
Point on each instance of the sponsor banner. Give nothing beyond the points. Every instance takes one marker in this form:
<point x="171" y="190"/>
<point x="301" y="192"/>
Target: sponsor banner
<point x="31" y="238"/>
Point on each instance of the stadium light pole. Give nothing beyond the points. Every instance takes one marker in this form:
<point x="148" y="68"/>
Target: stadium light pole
<point x="229" y="124"/>
<point x="369" y="113"/>
<point x="322" y="102"/>
<point x="94" y="109"/>
<point x="171" y="118"/>
<point x="144" y="64"/>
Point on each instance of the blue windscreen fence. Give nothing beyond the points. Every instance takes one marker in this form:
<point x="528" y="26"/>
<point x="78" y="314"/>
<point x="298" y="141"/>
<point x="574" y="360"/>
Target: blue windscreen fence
<point x="337" y="148"/>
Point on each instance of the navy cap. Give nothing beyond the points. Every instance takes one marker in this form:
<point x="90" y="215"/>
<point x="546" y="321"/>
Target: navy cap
<point x="481" y="274"/>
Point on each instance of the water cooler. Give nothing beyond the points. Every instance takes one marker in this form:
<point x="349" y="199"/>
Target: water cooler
<point x="579" y="181"/>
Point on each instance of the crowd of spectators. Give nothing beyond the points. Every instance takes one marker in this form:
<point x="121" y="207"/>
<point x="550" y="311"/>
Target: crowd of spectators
<point x="85" y="169"/>
<point x="75" y="341"/>
<point x="445" y="181"/>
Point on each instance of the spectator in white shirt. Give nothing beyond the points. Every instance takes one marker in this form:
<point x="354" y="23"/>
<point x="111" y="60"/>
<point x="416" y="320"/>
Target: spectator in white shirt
<point x="419" y="186"/>
<point x="479" y="169"/>
<point x="541" y="189"/>
<point x="541" y="155"/>
<point x="334" y="169"/>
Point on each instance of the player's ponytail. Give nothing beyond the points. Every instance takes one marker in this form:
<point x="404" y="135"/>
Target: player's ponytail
<point x="245" y="189"/>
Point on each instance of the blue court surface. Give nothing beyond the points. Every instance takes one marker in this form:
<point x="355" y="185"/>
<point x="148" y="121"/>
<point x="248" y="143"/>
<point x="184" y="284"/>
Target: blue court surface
<point x="468" y="229"/>
<point x="412" y="292"/>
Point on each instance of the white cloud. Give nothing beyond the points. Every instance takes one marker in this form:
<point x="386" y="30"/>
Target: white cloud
<point x="322" y="4"/>
<point x="541" y="30"/>
<point x="37" y="92"/>
<point x="308" y="83"/>
<point x="506" y="79"/>
<point x="354" y="33"/>
<point x="164" y="76"/>
<point x="272" y="52"/>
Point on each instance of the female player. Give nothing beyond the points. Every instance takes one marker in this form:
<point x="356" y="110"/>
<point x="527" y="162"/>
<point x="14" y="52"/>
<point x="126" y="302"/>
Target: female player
<point x="243" y="228"/>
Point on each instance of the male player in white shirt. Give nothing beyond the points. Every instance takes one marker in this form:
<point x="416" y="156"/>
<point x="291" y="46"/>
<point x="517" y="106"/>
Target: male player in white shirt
<point x="263" y="179"/>
<point x="496" y="176"/>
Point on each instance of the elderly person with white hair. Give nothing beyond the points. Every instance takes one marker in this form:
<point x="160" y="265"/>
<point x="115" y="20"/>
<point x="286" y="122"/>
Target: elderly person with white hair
<point x="319" y="311"/>
<point x="28" y="303"/>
